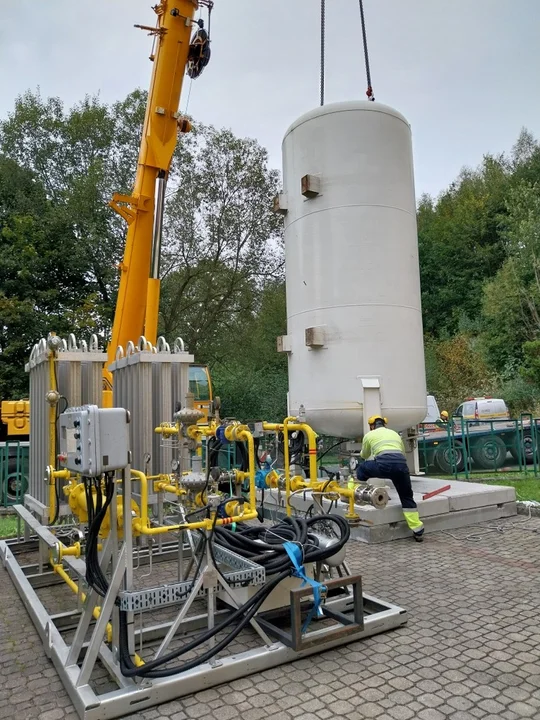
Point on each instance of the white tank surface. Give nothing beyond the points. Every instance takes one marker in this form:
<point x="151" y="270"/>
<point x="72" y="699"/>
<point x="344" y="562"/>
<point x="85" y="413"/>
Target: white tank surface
<point x="354" y="318"/>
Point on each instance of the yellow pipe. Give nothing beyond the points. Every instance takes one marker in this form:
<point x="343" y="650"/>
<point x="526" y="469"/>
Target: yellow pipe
<point x="74" y="550"/>
<point x="287" y="425"/>
<point x="242" y="433"/>
<point x="287" y="462"/>
<point x="246" y="435"/>
<point x="202" y="525"/>
<point x="165" y="487"/>
<point x="52" y="439"/>
<point x="142" y="524"/>
<point x="312" y="447"/>
<point x="311" y="436"/>
<point x="59" y="570"/>
<point x="144" y="496"/>
<point x="167" y="430"/>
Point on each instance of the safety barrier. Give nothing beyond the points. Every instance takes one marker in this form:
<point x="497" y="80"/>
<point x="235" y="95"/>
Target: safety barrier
<point x="13" y="472"/>
<point x="464" y="447"/>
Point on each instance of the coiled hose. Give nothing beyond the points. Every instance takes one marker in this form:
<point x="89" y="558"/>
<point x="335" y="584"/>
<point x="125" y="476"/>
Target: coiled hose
<point x="260" y="544"/>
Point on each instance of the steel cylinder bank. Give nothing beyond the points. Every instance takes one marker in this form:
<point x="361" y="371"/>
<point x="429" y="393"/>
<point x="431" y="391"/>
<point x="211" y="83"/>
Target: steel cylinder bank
<point x="354" y="324"/>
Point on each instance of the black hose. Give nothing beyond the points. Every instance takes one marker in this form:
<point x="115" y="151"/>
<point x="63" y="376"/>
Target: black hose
<point x="244" y="458"/>
<point x="335" y="445"/>
<point x="271" y="554"/>
<point x="94" y="574"/>
<point x="152" y="670"/>
<point x="212" y="455"/>
<point x="256" y="445"/>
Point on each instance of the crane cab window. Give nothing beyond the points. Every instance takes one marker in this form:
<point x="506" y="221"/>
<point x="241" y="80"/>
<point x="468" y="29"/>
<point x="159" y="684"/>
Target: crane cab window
<point x="198" y="383"/>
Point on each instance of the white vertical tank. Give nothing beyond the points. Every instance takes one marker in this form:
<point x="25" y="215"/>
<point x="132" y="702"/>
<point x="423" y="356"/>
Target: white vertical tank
<point x="354" y="323"/>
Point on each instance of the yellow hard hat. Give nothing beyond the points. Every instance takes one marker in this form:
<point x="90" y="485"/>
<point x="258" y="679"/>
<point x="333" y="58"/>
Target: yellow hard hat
<point x="373" y="419"/>
<point x="444" y="414"/>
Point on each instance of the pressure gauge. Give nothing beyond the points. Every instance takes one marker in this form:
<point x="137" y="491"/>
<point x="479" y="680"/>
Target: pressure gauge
<point x="353" y="464"/>
<point x="175" y="465"/>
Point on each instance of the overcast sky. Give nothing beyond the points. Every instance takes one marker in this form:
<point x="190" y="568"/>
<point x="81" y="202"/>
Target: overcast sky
<point x="464" y="72"/>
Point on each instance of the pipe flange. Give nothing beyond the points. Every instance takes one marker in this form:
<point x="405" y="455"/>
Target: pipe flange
<point x="56" y="553"/>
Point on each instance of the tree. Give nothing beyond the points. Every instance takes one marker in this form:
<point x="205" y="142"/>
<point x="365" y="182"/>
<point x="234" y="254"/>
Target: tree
<point x="222" y="241"/>
<point x="456" y="370"/>
<point x="81" y="156"/>
<point x="511" y="305"/>
<point x="252" y="377"/>
<point x="42" y="282"/>
<point x="460" y="245"/>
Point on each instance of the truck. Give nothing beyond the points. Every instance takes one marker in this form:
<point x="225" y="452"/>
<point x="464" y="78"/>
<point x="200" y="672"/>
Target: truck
<point x="14" y="448"/>
<point x="479" y="435"/>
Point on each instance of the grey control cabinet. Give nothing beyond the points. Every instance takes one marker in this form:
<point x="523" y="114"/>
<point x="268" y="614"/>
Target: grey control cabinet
<point x="94" y="440"/>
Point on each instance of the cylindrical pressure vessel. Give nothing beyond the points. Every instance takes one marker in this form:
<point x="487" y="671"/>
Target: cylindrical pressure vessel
<point x="354" y="323"/>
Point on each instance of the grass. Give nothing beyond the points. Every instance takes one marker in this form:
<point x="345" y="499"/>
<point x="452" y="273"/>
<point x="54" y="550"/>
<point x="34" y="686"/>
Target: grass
<point x="527" y="486"/>
<point x="8" y="526"/>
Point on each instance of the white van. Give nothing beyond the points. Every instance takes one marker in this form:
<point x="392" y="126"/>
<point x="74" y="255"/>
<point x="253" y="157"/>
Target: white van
<point x="483" y="408"/>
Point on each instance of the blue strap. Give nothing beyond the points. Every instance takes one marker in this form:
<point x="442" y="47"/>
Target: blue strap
<point x="295" y="554"/>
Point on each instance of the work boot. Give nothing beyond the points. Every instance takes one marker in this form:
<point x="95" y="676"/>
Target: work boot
<point x="418" y="535"/>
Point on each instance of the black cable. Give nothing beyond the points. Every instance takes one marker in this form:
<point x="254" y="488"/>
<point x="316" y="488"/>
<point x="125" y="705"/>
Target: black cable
<point x="256" y="445"/>
<point x="151" y="669"/>
<point x="211" y="445"/>
<point x="196" y="512"/>
<point x="335" y="445"/>
<point x="94" y="574"/>
<point x="244" y="465"/>
<point x="57" y="497"/>
<point x="275" y="557"/>
<point x="130" y="669"/>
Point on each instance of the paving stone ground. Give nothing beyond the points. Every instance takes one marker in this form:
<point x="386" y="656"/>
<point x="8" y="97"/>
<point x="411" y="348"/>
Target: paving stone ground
<point x="471" y="648"/>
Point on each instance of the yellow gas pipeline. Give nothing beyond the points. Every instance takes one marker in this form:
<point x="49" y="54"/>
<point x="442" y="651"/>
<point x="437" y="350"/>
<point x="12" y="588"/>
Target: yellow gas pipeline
<point x="290" y="423"/>
<point x="142" y="524"/>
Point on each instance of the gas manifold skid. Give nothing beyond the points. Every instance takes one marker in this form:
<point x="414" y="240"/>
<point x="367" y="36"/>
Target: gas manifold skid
<point x="177" y="583"/>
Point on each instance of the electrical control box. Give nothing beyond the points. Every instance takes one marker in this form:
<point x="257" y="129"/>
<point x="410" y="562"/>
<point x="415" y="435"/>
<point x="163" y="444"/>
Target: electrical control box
<point x="94" y="440"/>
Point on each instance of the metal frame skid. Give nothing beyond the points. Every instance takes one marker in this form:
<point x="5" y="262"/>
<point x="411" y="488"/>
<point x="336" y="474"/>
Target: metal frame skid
<point x="85" y="641"/>
<point x="194" y="593"/>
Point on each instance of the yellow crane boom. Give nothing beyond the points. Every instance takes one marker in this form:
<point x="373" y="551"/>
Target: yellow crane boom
<point x="137" y="306"/>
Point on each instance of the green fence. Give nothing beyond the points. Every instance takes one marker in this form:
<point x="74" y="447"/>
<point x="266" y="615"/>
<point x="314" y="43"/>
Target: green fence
<point x="13" y="472"/>
<point x="464" y="447"/>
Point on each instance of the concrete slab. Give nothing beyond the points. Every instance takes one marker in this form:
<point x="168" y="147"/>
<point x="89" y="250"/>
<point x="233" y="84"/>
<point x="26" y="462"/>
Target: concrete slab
<point x="463" y="495"/>
<point x="436" y="523"/>
<point x="464" y="503"/>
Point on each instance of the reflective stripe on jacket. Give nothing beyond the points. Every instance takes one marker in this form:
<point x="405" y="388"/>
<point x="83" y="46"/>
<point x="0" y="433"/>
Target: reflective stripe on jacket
<point x="381" y="440"/>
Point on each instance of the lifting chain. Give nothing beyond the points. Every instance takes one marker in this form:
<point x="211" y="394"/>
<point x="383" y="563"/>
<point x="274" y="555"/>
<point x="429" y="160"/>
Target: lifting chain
<point x="369" y="91"/>
<point x="323" y="30"/>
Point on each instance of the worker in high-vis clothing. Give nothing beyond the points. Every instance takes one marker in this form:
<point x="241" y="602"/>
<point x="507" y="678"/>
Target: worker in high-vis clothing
<point x="386" y="448"/>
